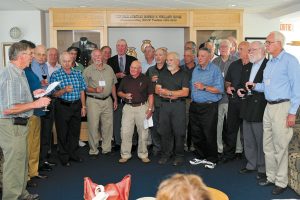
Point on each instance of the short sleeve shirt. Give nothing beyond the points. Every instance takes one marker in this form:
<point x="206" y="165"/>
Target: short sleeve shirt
<point x="92" y="76"/>
<point x="140" y="87"/>
<point x="14" y="89"/>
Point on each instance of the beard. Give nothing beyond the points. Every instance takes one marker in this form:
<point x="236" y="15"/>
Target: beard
<point x="171" y="67"/>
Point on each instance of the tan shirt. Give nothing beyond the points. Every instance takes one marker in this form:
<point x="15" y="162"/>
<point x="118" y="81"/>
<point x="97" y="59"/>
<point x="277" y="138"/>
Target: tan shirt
<point x="92" y="76"/>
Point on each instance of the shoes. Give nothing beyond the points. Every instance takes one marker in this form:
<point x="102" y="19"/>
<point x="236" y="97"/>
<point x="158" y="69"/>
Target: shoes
<point x="145" y="160"/>
<point x="210" y="165"/>
<point x="246" y="171"/>
<point x="32" y="197"/>
<point x="51" y="163"/>
<point x="45" y="167"/>
<point x="261" y="175"/>
<point x="76" y="159"/>
<point x="31" y="184"/>
<point x="265" y="182"/>
<point x="196" y="161"/>
<point x="177" y="161"/>
<point x="123" y="160"/>
<point x="94" y="156"/>
<point x="162" y="161"/>
<point x="81" y="144"/>
<point x="40" y="176"/>
<point x="278" y="190"/>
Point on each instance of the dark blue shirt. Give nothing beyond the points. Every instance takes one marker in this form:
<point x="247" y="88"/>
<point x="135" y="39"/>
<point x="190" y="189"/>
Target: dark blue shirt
<point x="34" y="84"/>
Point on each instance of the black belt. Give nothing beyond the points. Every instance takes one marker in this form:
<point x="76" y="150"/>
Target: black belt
<point x="67" y="103"/>
<point x="22" y="121"/>
<point x="94" y="97"/>
<point x="172" y="100"/>
<point x="278" y="101"/>
<point x="135" y="104"/>
<point x="203" y="103"/>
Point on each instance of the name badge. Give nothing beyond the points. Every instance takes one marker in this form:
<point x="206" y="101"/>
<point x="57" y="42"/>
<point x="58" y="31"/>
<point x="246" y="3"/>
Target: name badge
<point x="268" y="81"/>
<point x="102" y="83"/>
<point x="223" y="74"/>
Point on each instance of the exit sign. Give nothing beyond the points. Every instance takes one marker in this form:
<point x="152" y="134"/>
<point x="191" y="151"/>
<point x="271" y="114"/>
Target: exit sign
<point x="286" y="27"/>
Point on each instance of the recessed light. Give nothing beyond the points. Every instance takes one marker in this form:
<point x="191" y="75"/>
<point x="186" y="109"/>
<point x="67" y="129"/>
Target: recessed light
<point x="233" y="5"/>
<point x="83" y="6"/>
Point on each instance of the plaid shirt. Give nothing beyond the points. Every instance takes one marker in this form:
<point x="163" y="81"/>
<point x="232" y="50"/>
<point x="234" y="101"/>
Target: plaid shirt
<point x="74" y="78"/>
<point x="14" y="89"/>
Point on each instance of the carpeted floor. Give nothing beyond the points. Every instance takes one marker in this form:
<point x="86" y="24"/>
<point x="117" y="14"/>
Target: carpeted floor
<point x="67" y="183"/>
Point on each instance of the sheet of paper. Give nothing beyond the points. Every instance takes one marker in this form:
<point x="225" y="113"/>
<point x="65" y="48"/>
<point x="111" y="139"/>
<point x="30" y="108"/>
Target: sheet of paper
<point x="48" y="90"/>
<point x="148" y="123"/>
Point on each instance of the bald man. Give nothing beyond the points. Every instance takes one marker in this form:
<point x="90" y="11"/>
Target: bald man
<point x="137" y="91"/>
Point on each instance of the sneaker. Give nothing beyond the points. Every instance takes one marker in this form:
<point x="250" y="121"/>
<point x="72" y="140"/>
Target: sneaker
<point x="196" y="161"/>
<point x="81" y="144"/>
<point x="210" y="166"/>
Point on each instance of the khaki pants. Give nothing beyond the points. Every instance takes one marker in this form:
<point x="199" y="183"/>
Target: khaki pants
<point x="100" y="110"/>
<point x="276" y="140"/>
<point x="33" y="139"/>
<point x="13" y="142"/>
<point x="134" y="116"/>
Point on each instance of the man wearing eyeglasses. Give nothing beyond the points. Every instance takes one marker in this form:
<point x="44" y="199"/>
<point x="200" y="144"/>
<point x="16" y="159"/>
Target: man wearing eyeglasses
<point x="281" y="85"/>
<point x="16" y="106"/>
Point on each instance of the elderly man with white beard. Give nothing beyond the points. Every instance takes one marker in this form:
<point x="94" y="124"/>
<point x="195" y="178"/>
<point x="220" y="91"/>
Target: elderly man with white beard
<point x="252" y="111"/>
<point x="173" y="87"/>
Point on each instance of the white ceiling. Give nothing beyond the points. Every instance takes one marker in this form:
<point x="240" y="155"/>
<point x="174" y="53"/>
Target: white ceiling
<point x="272" y="8"/>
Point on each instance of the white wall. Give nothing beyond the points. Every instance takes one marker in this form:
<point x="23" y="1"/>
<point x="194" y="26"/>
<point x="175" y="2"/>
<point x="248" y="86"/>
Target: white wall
<point x="172" y="38"/>
<point x="257" y="25"/>
<point x="28" y="21"/>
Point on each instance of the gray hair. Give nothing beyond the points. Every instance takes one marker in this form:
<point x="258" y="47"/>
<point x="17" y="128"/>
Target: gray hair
<point x="175" y="54"/>
<point x="205" y="49"/>
<point x="122" y="40"/>
<point x="227" y="42"/>
<point x="260" y="45"/>
<point x="62" y="55"/>
<point x="278" y="36"/>
<point x="17" y="48"/>
<point x="162" y="49"/>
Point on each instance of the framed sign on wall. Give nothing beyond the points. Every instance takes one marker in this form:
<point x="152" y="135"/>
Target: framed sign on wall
<point x="5" y="49"/>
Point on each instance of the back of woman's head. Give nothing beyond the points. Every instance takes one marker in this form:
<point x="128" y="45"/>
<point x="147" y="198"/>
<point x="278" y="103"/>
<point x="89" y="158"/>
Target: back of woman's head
<point x="183" y="187"/>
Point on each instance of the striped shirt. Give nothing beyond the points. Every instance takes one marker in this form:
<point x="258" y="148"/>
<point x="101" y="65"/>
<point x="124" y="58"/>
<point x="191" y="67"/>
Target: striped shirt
<point x="74" y="79"/>
<point x="14" y="89"/>
<point x="210" y="76"/>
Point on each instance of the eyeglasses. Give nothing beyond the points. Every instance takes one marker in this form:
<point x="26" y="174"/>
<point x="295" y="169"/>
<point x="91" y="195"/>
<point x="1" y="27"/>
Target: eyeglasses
<point x="269" y="42"/>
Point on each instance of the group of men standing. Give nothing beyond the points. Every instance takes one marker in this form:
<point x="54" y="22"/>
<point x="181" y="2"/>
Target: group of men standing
<point x="258" y="97"/>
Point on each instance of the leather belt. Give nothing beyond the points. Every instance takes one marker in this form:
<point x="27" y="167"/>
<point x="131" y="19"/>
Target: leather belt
<point x="172" y="100"/>
<point x="135" y="104"/>
<point x="278" y="101"/>
<point x="203" y="103"/>
<point x="94" y="97"/>
<point x="67" y="103"/>
<point x="22" y="121"/>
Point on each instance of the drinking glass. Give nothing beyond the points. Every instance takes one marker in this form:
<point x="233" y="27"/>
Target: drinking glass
<point x="243" y="92"/>
<point x="250" y="91"/>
